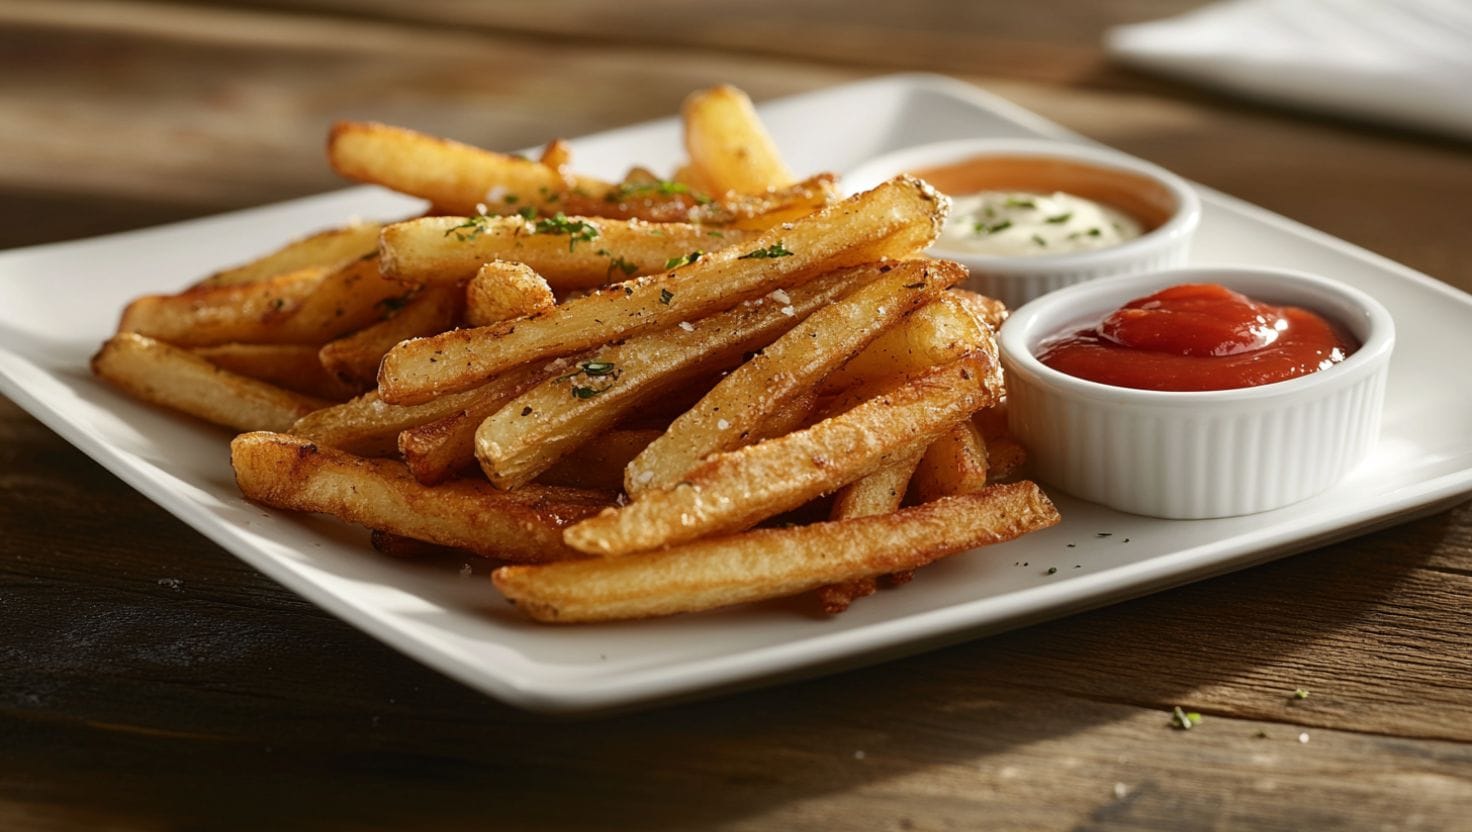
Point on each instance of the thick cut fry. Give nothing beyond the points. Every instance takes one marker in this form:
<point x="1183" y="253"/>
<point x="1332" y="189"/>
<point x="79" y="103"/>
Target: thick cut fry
<point x="895" y="219"/>
<point x="532" y="432"/>
<point x="355" y="358"/>
<point x="504" y="289"/>
<point x="989" y="310"/>
<point x="881" y="492"/>
<point x="570" y="253"/>
<point x="453" y="176"/>
<point x="176" y="378"/>
<point x="955" y="463"/>
<point x="293" y="473"/>
<point x="292" y="366"/>
<point x="222" y="314"/>
<point x="772" y="563"/>
<point x="734" y="490"/>
<point x="940" y="332"/>
<point x="599" y="463"/>
<point x="437" y="450"/>
<point x="324" y="249"/>
<point x="729" y="414"/>
<point x="728" y="144"/>
<point x="674" y="202"/>
<point x="1004" y="456"/>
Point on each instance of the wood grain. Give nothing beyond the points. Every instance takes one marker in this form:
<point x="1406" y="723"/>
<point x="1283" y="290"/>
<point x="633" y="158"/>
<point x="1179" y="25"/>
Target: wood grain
<point x="149" y="680"/>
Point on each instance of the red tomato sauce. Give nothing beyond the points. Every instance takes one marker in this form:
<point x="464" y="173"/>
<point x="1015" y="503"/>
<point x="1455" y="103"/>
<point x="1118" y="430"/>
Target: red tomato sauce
<point x="1199" y="336"/>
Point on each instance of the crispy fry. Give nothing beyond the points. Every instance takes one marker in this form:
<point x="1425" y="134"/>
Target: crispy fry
<point x="570" y="253"/>
<point x="599" y="463"/>
<point x="731" y="491"/>
<point x="505" y="289"/>
<point x="934" y="334"/>
<point x="368" y="426"/>
<point x="728" y="144"/>
<point x="221" y="314"/>
<point x="1004" y="456"/>
<point x="771" y="563"/>
<point x="355" y="358"/>
<point x="176" y="378"/>
<point x="882" y="492"/>
<point x="452" y="176"/>
<point x="896" y="219"/>
<point x="325" y="249"/>
<point x="955" y="463"/>
<point x="436" y="450"/>
<point x="292" y="366"/>
<point x="531" y="433"/>
<point x="670" y="201"/>
<point x="293" y="473"/>
<point x="729" y="414"/>
<point x="989" y="310"/>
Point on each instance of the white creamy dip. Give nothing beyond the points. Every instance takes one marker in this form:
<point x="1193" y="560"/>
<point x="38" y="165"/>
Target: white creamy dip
<point x="1023" y="224"/>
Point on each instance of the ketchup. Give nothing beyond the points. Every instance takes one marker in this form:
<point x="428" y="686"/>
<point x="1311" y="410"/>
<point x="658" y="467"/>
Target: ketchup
<point x="1196" y="337"/>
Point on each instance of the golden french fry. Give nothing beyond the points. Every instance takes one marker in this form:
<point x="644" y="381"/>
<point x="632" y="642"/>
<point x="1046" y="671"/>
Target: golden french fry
<point x="568" y="252"/>
<point x="368" y="426"/>
<point x="533" y="431"/>
<point x="355" y="358"/>
<point x="771" y="563"/>
<point x="293" y="473"/>
<point x="453" y="176"/>
<point x="222" y="314"/>
<point x="1004" y="456"/>
<point x="661" y="200"/>
<point x="955" y="463"/>
<point x="557" y="155"/>
<point x="895" y="219"/>
<point x="176" y="378"/>
<point x="882" y="492"/>
<point x="934" y="334"/>
<point x="734" y="490"/>
<point x="989" y="310"/>
<point x="504" y="289"/>
<point x="728" y="144"/>
<point x="729" y="414"/>
<point x="325" y="249"/>
<point x="436" y="450"/>
<point x="292" y="366"/>
<point x="599" y="463"/>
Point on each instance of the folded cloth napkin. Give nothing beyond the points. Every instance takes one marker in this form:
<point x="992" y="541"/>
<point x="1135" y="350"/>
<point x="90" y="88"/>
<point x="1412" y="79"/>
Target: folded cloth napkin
<point x="1406" y="62"/>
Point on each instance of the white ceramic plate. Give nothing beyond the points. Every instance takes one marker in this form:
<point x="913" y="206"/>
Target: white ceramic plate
<point x="58" y="302"/>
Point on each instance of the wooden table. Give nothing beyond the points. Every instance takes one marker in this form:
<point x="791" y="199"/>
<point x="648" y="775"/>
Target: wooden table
<point x="150" y="680"/>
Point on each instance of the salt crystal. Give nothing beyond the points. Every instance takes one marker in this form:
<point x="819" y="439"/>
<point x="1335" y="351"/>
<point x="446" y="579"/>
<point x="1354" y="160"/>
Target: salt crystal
<point x="687" y="326"/>
<point x="780" y="296"/>
<point x="789" y="311"/>
<point x="480" y="208"/>
<point x="723" y="424"/>
<point x="1303" y="738"/>
<point x="646" y="477"/>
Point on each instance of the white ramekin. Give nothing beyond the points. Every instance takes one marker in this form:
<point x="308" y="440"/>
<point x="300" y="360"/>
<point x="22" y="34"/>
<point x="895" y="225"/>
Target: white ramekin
<point x="1197" y="454"/>
<point x="1017" y="280"/>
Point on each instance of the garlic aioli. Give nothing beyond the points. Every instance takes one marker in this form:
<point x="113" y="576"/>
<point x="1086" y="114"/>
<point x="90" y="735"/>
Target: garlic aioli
<point x="1025" y="224"/>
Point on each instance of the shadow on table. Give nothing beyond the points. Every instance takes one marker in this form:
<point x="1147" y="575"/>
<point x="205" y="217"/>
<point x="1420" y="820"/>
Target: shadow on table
<point x="368" y="737"/>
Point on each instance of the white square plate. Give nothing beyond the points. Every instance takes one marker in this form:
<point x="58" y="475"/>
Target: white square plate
<point x="60" y="301"/>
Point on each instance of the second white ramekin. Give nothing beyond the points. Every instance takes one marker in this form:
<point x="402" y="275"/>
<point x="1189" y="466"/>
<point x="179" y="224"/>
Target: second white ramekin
<point x="1197" y="454"/>
<point x="1017" y="280"/>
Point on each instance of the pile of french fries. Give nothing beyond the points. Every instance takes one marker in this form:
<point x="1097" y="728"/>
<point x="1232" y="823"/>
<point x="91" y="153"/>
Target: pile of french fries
<point x="643" y="398"/>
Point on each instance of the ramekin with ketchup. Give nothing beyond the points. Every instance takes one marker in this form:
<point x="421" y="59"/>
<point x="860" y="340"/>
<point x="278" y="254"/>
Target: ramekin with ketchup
<point x="1195" y="393"/>
<point x="1029" y="216"/>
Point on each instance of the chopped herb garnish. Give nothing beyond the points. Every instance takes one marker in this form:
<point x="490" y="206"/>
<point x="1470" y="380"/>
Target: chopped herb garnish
<point x="1059" y="219"/>
<point x="659" y="187"/>
<point x="617" y="263"/>
<point x="1104" y="534"/>
<point x="1183" y="720"/>
<point x="511" y="199"/>
<point x="994" y="228"/>
<point x="1300" y="694"/>
<point x="1040" y="241"/>
<point x="677" y="262"/>
<point x="714" y="234"/>
<point x="527" y="212"/>
<point x="577" y="231"/>
<point x="597" y="368"/>
<point x="774" y="250"/>
<point x="591" y="369"/>
<point x="665" y="296"/>
<point x="1094" y="232"/>
<point x="1052" y="570"/>
<point x="585" y="392"/>
<point x="526" y="411"/>
<point x="1014" y="202"/>
<point x="470" y="229"/>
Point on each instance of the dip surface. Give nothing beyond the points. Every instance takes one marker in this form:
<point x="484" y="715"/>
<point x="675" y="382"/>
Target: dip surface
<point x="1028" y="224"/>
<point x="1196" y="337"/>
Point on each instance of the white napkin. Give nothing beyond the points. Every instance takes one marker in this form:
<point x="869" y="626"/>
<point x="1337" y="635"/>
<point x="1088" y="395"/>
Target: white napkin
<point x="1401" y="61"/>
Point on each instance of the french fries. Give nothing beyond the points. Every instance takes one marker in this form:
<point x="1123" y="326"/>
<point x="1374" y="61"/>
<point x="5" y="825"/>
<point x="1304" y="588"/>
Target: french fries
<point x="610" y="385"/>
<point x="530" y="433"/>
<point x="180" y="380"/>
<point x="293" y="473"/>
<point x="325" y="249"/>
<point x="505" y="289"/>
<point x="895" y="219"/>
<point x="734" y="409"/>
<point x="728" y="146"/>
<point x="735" y="490"/>
<point x="569" y="252"/>
<point x="772" y="563"/>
